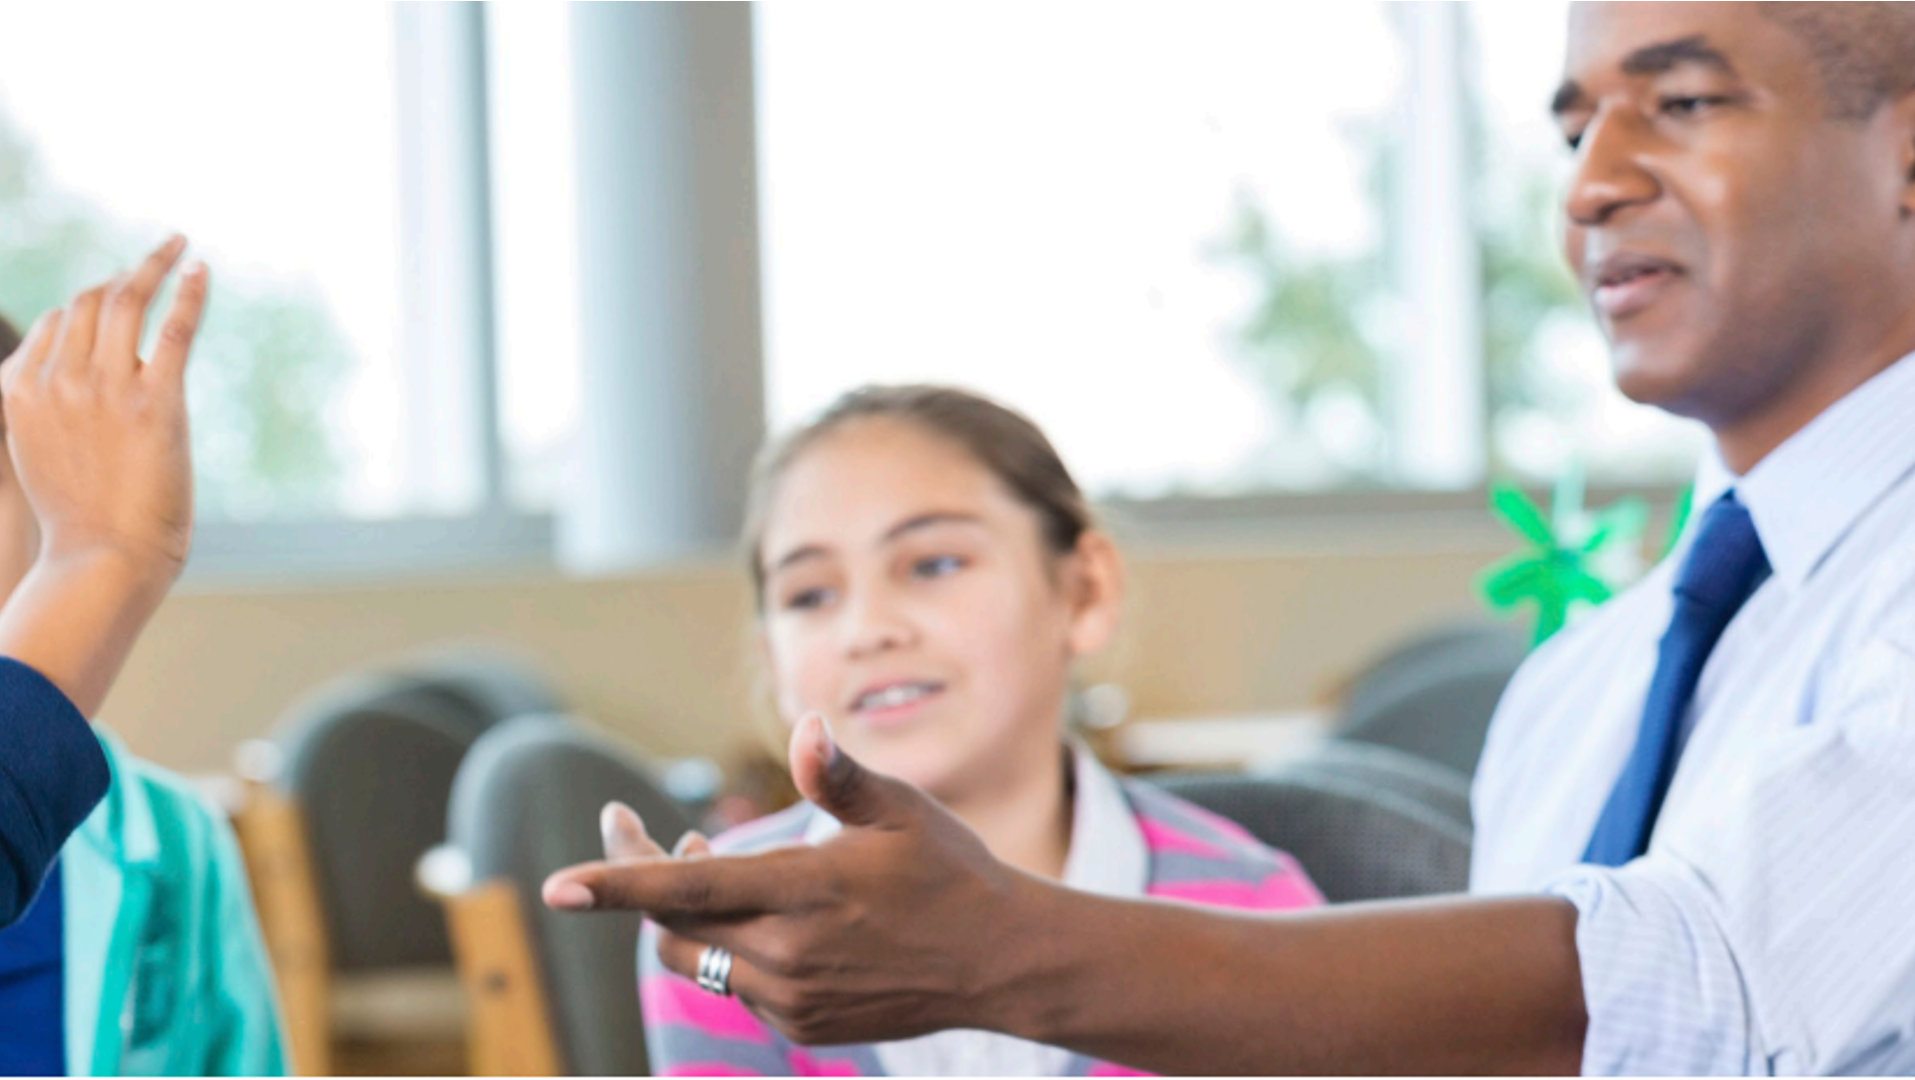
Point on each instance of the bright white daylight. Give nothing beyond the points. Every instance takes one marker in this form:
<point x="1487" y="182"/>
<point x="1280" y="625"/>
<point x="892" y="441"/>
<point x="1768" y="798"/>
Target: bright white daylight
<point x="1180" y="237"/>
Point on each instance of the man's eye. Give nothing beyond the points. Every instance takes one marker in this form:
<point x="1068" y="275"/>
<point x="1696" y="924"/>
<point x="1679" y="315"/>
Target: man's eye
<point x="1684" y="106"/>
<point x="937" y="566"/>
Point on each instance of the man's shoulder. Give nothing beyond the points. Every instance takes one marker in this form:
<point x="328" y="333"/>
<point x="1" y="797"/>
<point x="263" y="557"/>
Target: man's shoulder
<point x="1887" y="608"/>
<point x="1629" y="623"/>
<point x="1580" y="664"/>
<point x="1874" y="659"/>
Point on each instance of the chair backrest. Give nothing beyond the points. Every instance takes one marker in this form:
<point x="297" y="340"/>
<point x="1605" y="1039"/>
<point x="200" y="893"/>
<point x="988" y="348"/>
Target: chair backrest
<point x="1434" y="696"/>
<point x="1408" y="658"/>
<point x="1364" y="827"/>
<point x="526" y="803"/>
<point x="369" y="763"/>
<point x="1434" y="785"/>
<point x="497" y="684"/>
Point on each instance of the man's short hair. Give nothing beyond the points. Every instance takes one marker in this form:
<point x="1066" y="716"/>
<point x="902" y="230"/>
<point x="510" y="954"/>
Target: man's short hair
<point x="1865" y="51"/>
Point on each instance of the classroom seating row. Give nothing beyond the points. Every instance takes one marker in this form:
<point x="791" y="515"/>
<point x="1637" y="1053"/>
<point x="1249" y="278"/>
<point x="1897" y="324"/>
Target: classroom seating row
<point x="398" y="824"/>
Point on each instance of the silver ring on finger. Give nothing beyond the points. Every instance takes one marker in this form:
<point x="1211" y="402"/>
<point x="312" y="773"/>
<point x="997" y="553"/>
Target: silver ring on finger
<point x="714" y="971"/>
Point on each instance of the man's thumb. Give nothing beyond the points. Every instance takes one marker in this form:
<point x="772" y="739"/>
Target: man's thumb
<point x="831" y="780"/>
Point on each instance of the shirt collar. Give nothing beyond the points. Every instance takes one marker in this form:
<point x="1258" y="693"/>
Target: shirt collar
<point x="1108" y="854"/>
<point x="1808" y="492"/>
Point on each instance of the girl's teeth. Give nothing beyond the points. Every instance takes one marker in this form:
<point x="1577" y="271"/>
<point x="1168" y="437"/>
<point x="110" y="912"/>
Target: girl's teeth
<point x="894" y="697"/>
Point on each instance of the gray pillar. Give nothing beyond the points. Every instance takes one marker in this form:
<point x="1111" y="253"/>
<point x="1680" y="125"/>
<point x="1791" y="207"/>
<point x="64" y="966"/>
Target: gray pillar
<point x="1438" y="400"/>
<point x="669" y="298"/>
<point x="450" y="452"/>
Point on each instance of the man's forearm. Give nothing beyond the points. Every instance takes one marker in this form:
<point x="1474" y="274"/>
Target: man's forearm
<point x="1440" y="986"/>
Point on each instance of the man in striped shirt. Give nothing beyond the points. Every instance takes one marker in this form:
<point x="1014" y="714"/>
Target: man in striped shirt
<point x="1695" y="807"/>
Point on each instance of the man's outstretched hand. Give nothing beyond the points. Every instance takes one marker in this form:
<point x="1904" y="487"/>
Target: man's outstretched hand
<point x="903" y="924"/>
<point x="890" y="929"/>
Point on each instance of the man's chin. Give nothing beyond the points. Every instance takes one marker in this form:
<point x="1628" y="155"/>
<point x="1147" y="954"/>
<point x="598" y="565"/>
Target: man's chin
<point x="1654" y="375"/>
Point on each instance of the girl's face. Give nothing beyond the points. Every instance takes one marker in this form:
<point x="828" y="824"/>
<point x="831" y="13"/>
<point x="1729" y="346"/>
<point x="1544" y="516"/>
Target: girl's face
<point x="910" y="598"/>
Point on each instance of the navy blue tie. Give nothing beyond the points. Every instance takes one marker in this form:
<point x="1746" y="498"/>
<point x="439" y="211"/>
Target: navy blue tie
<point x="1722" y="569"/>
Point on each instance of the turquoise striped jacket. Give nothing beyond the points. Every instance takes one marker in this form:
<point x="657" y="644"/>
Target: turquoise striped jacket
<point x="165" y="972"/>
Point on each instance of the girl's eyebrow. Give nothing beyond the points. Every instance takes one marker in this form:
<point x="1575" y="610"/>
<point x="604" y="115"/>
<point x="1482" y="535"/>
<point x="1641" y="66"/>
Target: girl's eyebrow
<point x="904" y="528"/>
<point x="785" y="562"/>
<point x="926" y="521"/>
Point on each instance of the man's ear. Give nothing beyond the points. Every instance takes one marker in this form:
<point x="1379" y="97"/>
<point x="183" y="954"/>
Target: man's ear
<point x="1903" y="115"/>
<point x="1097" y="593"/>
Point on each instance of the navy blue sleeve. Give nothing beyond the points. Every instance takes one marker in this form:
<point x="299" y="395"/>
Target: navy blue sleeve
<point x="52" y="774"/>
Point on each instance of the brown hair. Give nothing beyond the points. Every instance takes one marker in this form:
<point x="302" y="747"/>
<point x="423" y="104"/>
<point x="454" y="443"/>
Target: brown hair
<point x="1001" y="439"/>
<point x="9" y="338"/>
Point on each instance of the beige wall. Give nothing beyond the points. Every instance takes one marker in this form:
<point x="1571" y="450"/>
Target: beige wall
<point x="661" y="657"/>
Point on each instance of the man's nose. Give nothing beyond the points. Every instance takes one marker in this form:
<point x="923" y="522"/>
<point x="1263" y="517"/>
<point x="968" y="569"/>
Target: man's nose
<point x="1610" y="175"/>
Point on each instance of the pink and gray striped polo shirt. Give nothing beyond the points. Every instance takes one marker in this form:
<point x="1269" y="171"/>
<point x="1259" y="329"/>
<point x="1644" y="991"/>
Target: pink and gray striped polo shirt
<point x="1186" y="854"/>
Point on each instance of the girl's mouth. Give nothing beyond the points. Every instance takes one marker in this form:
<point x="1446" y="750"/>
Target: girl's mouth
<point x="894" y="702"/>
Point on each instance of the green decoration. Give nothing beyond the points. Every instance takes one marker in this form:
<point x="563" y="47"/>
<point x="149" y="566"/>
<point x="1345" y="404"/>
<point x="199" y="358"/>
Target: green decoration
<point x="1574" y="558"/>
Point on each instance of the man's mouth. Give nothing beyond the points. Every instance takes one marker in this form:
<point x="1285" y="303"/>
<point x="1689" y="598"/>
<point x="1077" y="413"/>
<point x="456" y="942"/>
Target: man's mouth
<point x="1628" y="282"/>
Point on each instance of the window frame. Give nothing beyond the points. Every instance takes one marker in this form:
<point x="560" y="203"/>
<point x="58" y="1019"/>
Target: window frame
<point x="441" y="61"/>
<point x="1431" y="510"/>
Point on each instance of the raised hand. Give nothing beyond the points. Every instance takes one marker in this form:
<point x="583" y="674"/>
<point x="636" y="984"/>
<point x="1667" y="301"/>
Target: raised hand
<point x="903" y="910"/>
<point x="98" y="439"/>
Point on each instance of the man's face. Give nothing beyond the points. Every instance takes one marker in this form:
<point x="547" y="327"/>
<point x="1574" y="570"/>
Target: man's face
<point x="1729" y="233"/>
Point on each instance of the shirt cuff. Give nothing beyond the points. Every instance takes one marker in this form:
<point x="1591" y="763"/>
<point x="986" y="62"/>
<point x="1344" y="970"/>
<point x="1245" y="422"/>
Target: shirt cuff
<point x="53" y="772"/>
<point x="1663" y="991"/>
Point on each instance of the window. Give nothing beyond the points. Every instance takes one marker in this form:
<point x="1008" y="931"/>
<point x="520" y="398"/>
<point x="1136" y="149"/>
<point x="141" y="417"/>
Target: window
<point x="282" y="170"/>
<point x="1216" y="250"/>
<point x="329" y="162"/>
<point x="534" y="191"/>
<point x="1220" y="251"/>
<point x="1082" y="209"/>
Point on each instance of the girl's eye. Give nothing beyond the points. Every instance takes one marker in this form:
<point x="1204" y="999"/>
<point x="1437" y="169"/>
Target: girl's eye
<point x="807" y="600"/>
<point x="937" y="566"/>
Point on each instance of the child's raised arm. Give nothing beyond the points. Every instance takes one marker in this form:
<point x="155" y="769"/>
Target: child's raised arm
<point x="98" y="439"/>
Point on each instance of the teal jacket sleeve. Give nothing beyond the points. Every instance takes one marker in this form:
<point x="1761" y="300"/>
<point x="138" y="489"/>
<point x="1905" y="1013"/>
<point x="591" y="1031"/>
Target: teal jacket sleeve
<point x="52" y="774"/>
<point x="247" y="1036"/>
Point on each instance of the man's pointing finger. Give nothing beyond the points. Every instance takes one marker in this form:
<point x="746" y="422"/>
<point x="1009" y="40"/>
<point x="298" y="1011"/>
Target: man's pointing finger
<point x="688" y="890"/>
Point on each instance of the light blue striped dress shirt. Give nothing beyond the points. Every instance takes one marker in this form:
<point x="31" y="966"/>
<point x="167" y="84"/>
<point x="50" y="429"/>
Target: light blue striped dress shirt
<point x="1770" y="928"/>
